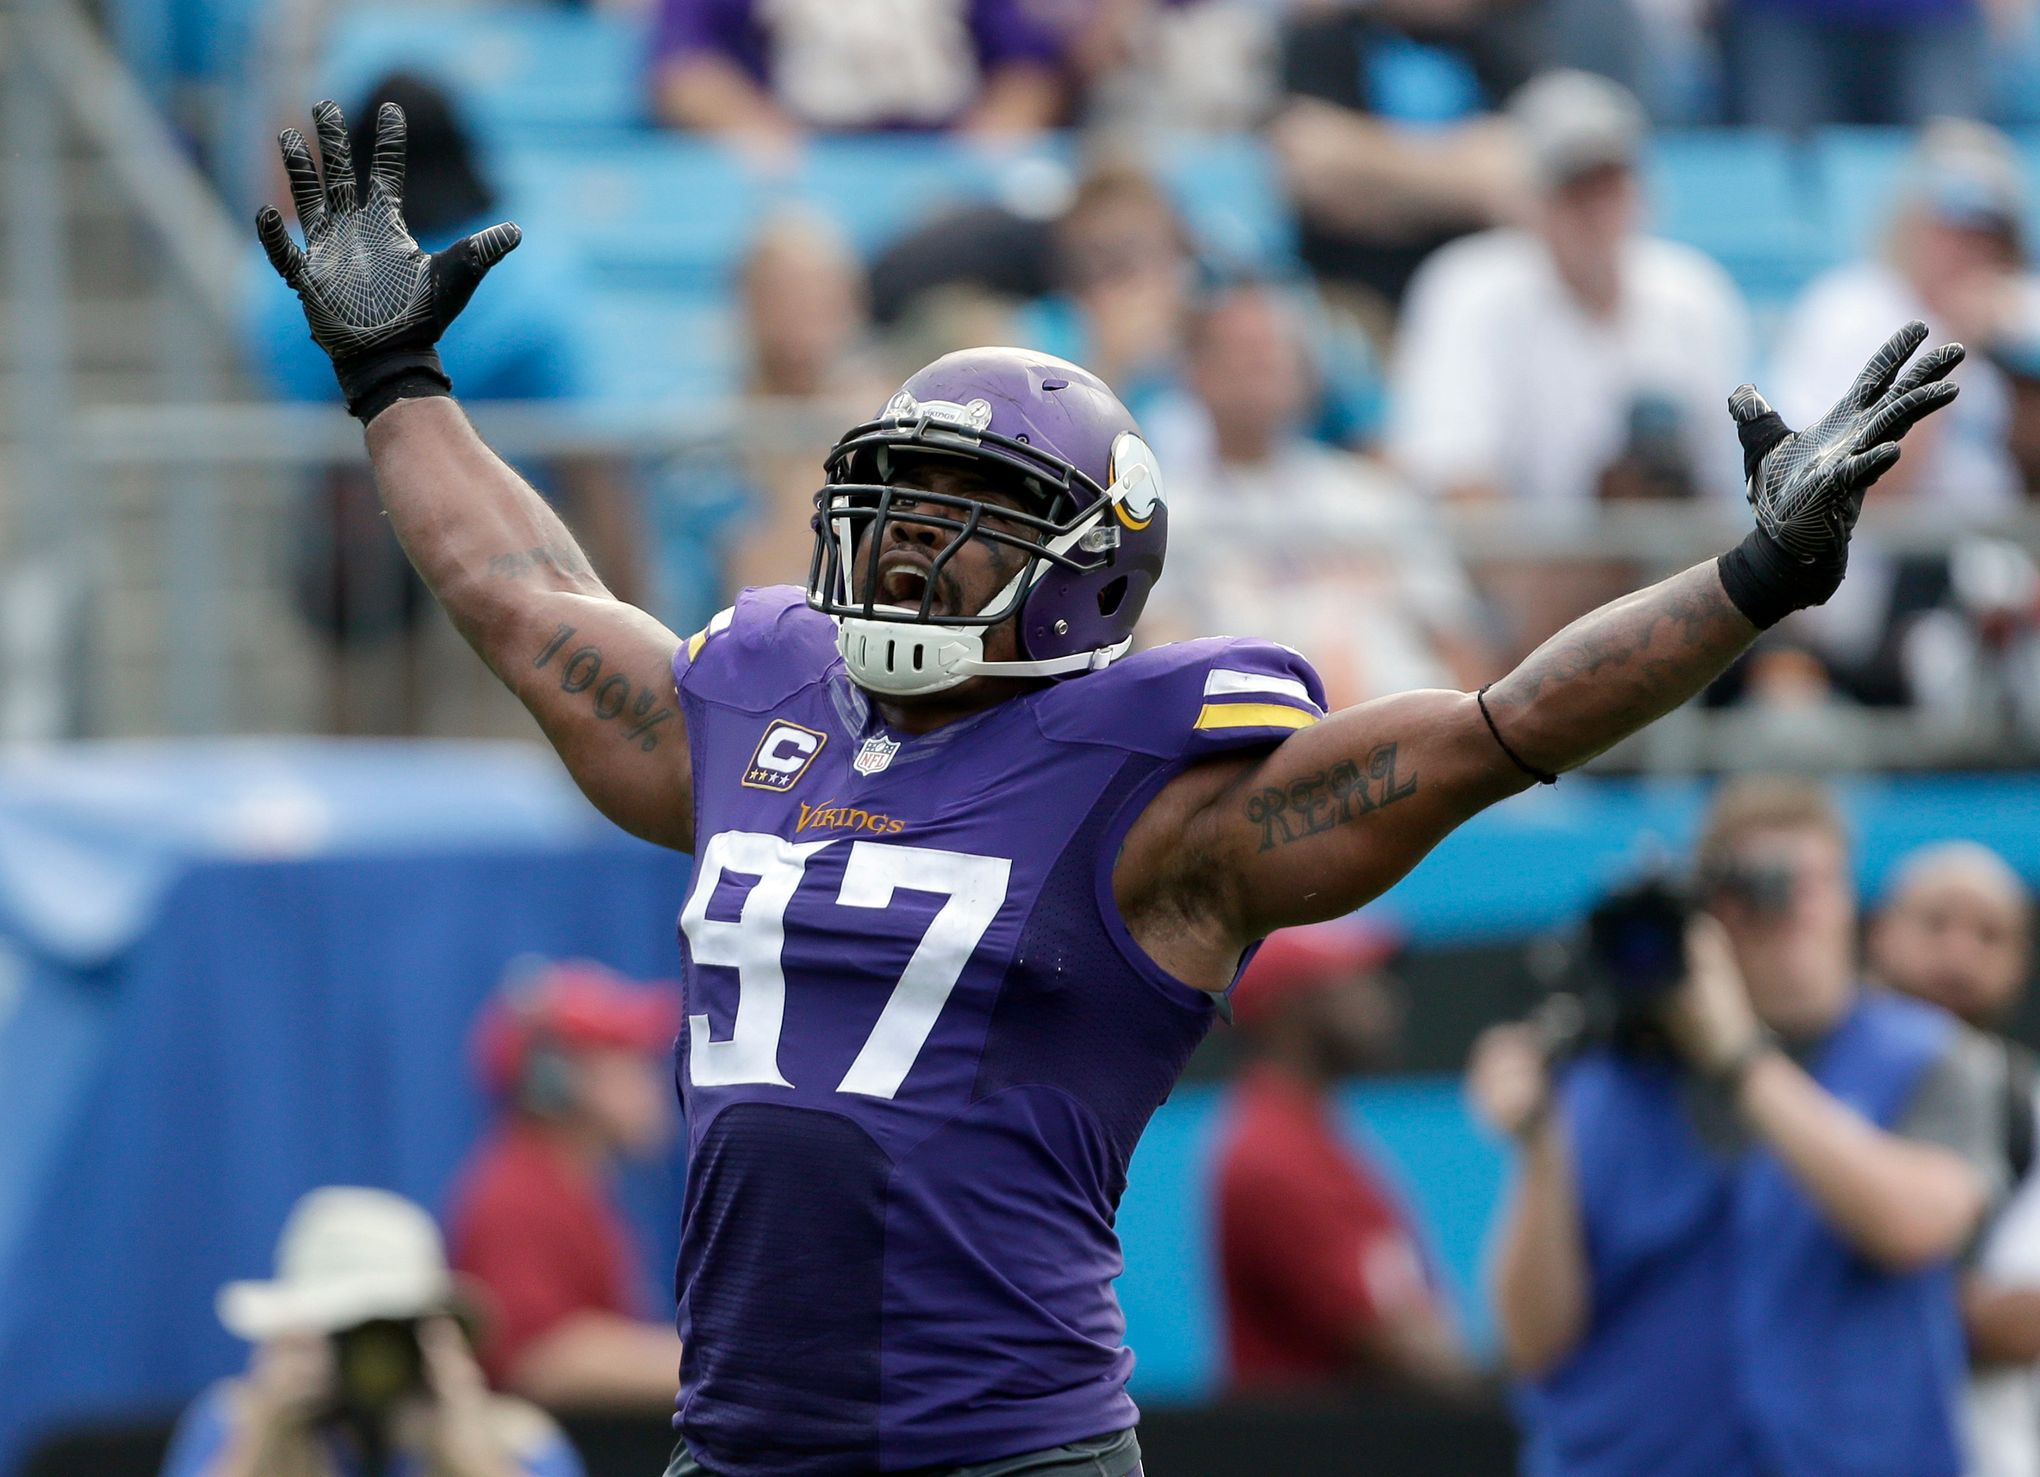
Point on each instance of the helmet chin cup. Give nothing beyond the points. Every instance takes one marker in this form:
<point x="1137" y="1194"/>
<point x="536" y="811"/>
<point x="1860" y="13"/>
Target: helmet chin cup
<point x="908" y="658"/>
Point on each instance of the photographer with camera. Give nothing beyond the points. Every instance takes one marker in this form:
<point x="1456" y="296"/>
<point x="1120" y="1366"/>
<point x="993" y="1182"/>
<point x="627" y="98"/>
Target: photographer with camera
<point x="361" y="1367"/>
<point x="1731" y="1246"/>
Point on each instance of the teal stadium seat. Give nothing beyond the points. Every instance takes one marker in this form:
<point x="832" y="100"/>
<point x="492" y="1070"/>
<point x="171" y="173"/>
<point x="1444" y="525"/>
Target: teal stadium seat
<point x="644" y="210"/>
<point x="1746" y="198"/>
<point x="669" y="210"/>
<point x="665" y="209"/>
<point x="517" y="69"/>
<point x="2015" y="74"/>
<point x="658" y="347"/>
<point x="1230" y="190"/>
<point x="665" y="219"/>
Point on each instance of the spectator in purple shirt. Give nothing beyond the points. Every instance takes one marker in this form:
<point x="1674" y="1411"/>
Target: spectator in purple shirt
<point x="766" y="75"/>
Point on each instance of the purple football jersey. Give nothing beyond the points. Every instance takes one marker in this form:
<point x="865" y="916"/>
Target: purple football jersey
<point x="920" y="1044"/>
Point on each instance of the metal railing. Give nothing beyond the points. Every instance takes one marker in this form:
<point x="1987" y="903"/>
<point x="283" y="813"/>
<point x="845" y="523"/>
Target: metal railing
<point x="221" y="484"/>
<point x="70" y="107"/>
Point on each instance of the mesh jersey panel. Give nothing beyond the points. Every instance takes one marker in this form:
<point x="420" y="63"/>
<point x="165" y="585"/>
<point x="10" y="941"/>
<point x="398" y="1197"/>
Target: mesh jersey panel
<point x="788" y="1204"/>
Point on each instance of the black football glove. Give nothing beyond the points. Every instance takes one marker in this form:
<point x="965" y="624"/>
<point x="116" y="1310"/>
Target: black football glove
<point x="375" y="300"/>
<point x="1807" y="486"/>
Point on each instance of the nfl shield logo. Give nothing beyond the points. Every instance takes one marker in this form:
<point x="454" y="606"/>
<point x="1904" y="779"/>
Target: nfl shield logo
<point x="876" y="754"/>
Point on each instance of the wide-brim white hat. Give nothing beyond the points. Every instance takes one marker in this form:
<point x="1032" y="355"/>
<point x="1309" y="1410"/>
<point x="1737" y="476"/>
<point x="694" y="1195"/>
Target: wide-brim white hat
<point x="347" y="1256"/>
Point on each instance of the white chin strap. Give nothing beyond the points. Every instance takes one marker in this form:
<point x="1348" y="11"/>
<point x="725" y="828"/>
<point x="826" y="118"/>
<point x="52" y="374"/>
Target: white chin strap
<point x="906" y="658"/>
<point x="909" y="658"/>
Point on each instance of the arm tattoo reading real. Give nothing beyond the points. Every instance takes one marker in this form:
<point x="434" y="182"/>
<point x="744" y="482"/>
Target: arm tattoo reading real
<point x="613" y="697"/>
<point x="1330" y="797"/>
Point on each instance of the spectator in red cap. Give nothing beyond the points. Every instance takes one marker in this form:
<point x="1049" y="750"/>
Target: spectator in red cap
<point x="577" y="1059"/>
<point x="1324" y="1282"/>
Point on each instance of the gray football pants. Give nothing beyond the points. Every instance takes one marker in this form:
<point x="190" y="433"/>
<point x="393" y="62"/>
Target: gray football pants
<point x="1117" y="1455"/>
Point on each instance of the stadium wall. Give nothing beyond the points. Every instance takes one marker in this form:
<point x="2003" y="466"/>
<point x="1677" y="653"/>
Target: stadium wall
<point x="230" y="972"/>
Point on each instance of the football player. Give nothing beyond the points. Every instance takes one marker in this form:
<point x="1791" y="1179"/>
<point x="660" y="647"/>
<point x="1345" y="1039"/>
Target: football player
<point x="971" y="877"/>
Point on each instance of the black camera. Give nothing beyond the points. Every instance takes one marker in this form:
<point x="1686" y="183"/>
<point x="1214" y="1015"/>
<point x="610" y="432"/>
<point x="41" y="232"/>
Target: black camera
<point x="1636" y="944"/>
<point x="1637" y="939"/>
<point x="376" y="1364"/>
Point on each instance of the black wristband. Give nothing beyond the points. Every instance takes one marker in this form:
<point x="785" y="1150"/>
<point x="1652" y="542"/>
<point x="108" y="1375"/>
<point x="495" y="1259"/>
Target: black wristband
<point x="1543" y="777"/>
<point x="1767" y="584"/>
<point x="416" y="385"/>
<point x="374" y="385"/>
<point x="1755" y="584"/>
<point x="1758" y="436"/>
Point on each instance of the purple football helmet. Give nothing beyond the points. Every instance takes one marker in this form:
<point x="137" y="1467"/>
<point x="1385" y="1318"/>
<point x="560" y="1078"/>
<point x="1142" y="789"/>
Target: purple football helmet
<point x="1093" y="535"/>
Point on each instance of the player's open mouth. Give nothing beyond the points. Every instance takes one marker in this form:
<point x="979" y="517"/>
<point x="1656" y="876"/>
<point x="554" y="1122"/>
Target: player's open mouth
<point x="905" y="585"/>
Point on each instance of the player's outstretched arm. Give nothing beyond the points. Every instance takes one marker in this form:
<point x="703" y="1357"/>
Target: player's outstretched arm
<point x="596" y="673"/>
<point x="1344" y="808"/>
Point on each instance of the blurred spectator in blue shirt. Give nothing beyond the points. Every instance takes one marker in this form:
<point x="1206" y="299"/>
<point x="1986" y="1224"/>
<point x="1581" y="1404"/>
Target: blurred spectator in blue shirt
<point x="359" y="1369"/>
<point x="767" y="74"/>
<point x="1729" y="1253"/>
<point x="517" y="343"/>
<point x="1798" y="64"/>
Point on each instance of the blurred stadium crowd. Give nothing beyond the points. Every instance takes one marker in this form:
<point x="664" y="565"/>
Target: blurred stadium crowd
<point x="1429" y="306"/>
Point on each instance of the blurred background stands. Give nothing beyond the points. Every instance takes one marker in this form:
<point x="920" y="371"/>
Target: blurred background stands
<point x="654" y="228"/>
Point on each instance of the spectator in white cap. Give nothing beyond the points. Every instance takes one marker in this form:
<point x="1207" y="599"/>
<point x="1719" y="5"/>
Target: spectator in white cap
<point x="361" y="1365"/>
<point x="1574" y="360"/>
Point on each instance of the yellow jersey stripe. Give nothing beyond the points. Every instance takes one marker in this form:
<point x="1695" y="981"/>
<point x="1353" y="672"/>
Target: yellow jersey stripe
<point x="1252" y="715"/>
<point x="695" y="643"/>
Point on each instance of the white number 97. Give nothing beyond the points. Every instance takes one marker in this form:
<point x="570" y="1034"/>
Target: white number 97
<point x="974" y="888"/>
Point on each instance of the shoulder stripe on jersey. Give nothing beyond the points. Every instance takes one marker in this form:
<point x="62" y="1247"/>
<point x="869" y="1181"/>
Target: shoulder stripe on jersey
<point x="1252" y="715"/>
<point x="721" y="622"/>
<point x="1223" y="682"/>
